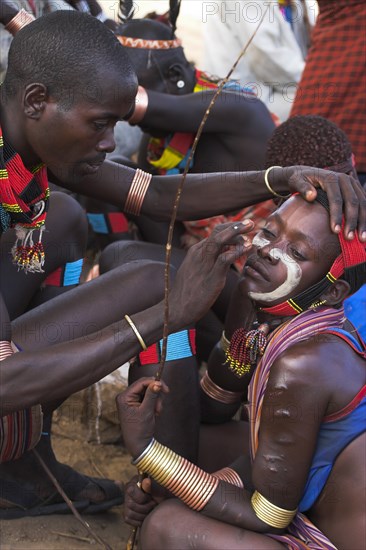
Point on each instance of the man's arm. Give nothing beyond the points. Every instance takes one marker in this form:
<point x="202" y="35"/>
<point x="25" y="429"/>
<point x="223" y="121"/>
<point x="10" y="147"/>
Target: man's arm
<point x="93" y="339"/>
<point x="206" y="195"/>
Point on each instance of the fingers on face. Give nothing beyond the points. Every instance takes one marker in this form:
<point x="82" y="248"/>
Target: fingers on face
<point x="229" y="235"/>
<point x="233" y="243"/>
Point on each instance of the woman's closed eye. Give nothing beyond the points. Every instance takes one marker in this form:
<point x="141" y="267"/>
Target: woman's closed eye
<point x="268" y="233"/>
<point x="295" y="253"/>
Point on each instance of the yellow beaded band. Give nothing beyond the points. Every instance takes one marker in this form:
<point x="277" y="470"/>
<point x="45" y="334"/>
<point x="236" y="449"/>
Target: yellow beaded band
<point x="182" y="478"/>
<point x="138" y="335"/>
<point x="224" y="342"/>
<point x="266" y="181"/>
<point x="270" y="513"/>
<point x="230" y="476"/>
<point x="20" y="20"/>
<point x="217" y="393"/>
<point x="137" y="192"/>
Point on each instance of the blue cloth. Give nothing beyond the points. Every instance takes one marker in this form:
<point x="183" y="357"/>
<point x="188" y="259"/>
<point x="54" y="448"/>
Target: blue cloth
<point x="355" y="310"/>
<point x="334" y="436"/>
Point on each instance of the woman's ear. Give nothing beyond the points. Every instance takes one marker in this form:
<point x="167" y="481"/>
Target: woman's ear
<point x="337" y="293"/>
<point x="175" y="73"/>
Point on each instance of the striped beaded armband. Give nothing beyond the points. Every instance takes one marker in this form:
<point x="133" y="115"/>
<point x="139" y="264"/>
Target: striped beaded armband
<point x="217" y="393"/>
<point x="180" y="345"/>
<point x="182" y="478"/>
<point x="66" y="275"/>
<point x="107" y="224"/>
<point x="230" y="476"/>
<point x="19" y="430"/>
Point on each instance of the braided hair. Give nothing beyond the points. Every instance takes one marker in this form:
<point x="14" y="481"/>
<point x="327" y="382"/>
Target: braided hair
<point x="126" y="10"/>
<point x="174" y="9"/>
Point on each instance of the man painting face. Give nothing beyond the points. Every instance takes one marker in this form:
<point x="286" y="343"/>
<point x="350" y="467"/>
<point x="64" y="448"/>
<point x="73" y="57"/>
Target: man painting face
<point x="292" y="252"/>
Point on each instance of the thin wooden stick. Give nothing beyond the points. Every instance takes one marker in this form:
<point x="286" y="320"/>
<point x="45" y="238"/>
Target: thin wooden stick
<point x="69" y="503"/>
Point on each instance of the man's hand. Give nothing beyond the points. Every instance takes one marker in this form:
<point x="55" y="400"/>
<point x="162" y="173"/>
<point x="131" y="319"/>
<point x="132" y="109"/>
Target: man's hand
<point x="137" y="407"/>
<point x="202" y="275"/>
<point x="345" y="194"/>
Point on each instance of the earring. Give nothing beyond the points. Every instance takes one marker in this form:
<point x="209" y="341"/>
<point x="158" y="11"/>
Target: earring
<point x="181" y="84"/>
<point x="317" y="304"/>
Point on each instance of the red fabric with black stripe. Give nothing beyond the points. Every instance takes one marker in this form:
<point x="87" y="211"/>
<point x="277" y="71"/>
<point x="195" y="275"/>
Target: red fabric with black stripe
<point x="333" y="84"/>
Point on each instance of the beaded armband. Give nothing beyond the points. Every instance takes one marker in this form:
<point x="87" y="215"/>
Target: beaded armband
<point x="217" y="393"/>
<point x="66" y="275"/>
<point x="230" y="476"/>
<point x="270" y="513"/>
<point x="107" y="224"/>
<point x="182" y="478"/>
<point x="180" y="345"/>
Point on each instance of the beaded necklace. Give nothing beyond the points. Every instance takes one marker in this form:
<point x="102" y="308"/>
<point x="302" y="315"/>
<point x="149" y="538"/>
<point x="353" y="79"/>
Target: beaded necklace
<point x="24" y="197"/>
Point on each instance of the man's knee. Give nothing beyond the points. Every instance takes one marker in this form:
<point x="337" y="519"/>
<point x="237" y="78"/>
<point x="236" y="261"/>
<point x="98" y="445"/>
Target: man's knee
<point x="116" y="254"/>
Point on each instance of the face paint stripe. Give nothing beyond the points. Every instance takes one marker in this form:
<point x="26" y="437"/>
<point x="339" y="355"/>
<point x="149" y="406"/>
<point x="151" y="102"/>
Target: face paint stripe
<point x="294" y="274"/>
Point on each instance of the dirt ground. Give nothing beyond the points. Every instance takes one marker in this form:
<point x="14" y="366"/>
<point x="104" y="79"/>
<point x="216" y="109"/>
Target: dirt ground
<point x="70" y="441"/>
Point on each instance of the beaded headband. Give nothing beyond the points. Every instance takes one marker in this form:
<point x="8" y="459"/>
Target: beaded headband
<point x="350" y="265"/>
<point x="142" y="43"/>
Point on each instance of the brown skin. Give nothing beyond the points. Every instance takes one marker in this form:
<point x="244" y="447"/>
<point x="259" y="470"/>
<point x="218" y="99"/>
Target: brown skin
<point x="287" y="438"/>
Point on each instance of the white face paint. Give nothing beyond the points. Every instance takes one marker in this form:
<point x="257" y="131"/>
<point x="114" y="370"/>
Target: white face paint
<point x="294" y="274"/>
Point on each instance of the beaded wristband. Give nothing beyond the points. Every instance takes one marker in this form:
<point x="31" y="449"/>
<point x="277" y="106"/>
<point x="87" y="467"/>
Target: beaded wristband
<point x="141" y="105"/>
<point x="266" y="181"/>
<point x="137" y="334"/>
<point x="180" y="345"/>
<point x="270" y="513"/>
<point x="137" y="192"/>
<point x="230" y="476"/>
<point x="182" y="478"/>
<point x="20" y="20"/>
<point x="217" y="393"/>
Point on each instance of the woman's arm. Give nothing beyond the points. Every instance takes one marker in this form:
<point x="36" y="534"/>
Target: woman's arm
<point x="231" y="113"/>
<point x="295" y="401"/>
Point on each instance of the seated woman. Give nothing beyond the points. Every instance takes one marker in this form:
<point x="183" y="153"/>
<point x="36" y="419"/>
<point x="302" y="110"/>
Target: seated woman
<point x="286" y="337"/>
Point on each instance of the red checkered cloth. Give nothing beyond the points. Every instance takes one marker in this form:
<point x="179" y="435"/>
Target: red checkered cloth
<point x="333" y="84"/>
